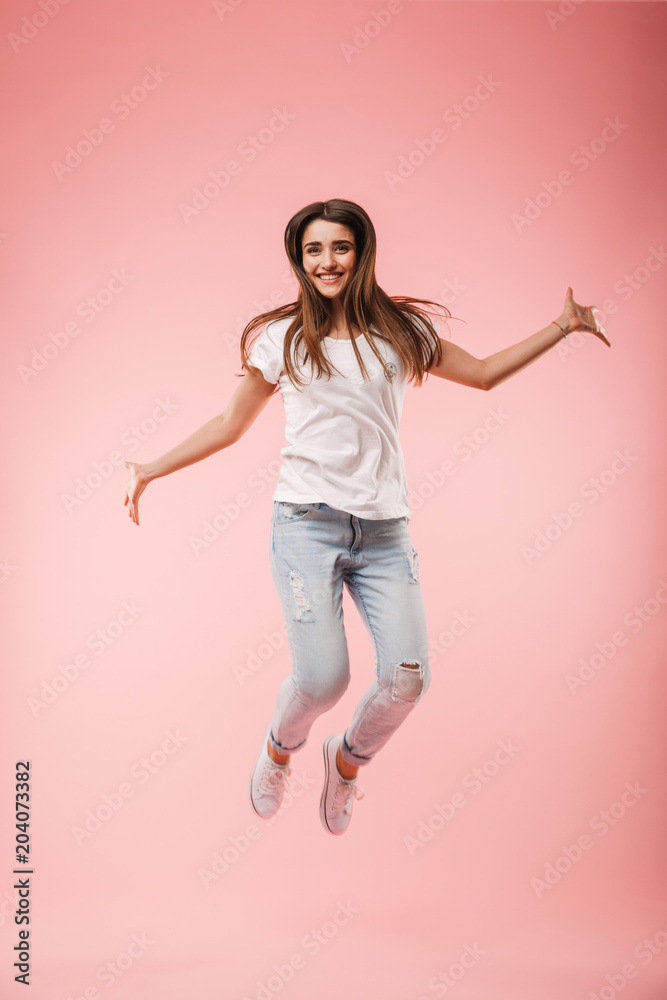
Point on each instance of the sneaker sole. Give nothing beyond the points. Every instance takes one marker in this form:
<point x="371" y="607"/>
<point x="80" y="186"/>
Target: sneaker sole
<point x="252" y="777"/>
<point x="261" y="816"/>
<point x="327" y="771"/>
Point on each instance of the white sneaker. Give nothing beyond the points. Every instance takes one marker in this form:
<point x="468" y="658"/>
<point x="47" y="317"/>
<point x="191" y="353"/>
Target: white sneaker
<point x="267" y="783"/>
<point x="339" y="793"/>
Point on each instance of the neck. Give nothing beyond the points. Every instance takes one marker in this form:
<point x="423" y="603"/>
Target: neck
<point x="337" y="314"/>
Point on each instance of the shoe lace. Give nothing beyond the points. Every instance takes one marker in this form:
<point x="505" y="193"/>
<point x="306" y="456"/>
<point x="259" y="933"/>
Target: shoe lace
<point x="271" y="776"/>
<point x="344" y="794"/>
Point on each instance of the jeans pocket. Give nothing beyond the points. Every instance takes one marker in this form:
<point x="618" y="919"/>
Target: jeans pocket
<point x="294" y="511"/>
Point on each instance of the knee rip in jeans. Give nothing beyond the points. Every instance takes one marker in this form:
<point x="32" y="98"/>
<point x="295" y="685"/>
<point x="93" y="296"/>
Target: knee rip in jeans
<point x="303" y="608"/>
<point x="408" y="682"/>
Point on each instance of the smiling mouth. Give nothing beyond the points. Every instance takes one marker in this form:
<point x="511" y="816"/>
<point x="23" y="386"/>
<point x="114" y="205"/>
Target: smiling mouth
<point x="329" y="279"/>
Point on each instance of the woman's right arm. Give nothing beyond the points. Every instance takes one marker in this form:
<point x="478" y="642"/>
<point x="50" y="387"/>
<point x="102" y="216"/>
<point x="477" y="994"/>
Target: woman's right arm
<point x="247" y="402"/>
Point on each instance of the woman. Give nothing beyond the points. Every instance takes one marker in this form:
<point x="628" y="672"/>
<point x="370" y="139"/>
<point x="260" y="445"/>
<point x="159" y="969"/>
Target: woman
<point x="341" y="356"/>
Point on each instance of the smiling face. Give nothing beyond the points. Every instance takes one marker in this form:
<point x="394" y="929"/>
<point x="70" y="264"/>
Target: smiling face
<point x="329" y="256"/>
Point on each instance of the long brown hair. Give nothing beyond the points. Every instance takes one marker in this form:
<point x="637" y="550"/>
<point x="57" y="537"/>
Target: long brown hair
<point x="364" y="303"/>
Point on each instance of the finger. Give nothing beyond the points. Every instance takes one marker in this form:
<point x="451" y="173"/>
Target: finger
<point x="598" y="327"/>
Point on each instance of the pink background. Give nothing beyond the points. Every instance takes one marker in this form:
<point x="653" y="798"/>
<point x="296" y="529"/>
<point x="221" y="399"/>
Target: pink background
<point x="203" y="652"/>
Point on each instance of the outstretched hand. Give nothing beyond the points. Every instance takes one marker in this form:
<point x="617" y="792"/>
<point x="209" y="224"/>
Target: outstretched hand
<point x="582" y="318"/>
<point x="136" y="485"/>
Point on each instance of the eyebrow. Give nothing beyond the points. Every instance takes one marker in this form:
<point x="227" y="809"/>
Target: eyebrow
<point x="318" y="243"/>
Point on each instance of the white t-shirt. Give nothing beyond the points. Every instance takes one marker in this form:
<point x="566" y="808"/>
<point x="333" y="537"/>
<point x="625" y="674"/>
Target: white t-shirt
<point x="343" y="446"/>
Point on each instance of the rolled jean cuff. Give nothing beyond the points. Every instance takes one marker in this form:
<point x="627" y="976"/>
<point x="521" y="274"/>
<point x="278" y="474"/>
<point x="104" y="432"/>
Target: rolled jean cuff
<point x="284" y="751"/>
<point x="352" y="758"/>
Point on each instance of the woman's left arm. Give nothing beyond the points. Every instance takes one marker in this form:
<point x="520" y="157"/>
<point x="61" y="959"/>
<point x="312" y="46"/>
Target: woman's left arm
<point x="457" y="365"/>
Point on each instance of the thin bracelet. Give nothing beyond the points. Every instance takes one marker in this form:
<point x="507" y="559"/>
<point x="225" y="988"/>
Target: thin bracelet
<point x="559" y="327"/>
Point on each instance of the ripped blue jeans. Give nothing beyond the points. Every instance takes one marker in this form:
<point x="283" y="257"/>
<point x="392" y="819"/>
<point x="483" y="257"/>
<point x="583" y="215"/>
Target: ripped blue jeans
<point x="315" y="550"/>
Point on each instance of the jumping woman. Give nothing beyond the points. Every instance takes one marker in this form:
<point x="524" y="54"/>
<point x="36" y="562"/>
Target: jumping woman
<point x="341" y="356"/>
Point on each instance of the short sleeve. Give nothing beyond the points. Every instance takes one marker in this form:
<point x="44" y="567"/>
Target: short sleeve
<point x="267" y="352"/>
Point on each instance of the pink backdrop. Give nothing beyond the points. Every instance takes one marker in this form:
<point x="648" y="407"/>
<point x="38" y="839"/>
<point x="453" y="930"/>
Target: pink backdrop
<point x="511" y="842"/>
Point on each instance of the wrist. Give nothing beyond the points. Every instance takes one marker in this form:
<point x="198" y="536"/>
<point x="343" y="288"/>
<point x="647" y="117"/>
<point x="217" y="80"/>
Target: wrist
<point x="149" y="471"/>
<point x="563" y="323"/>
